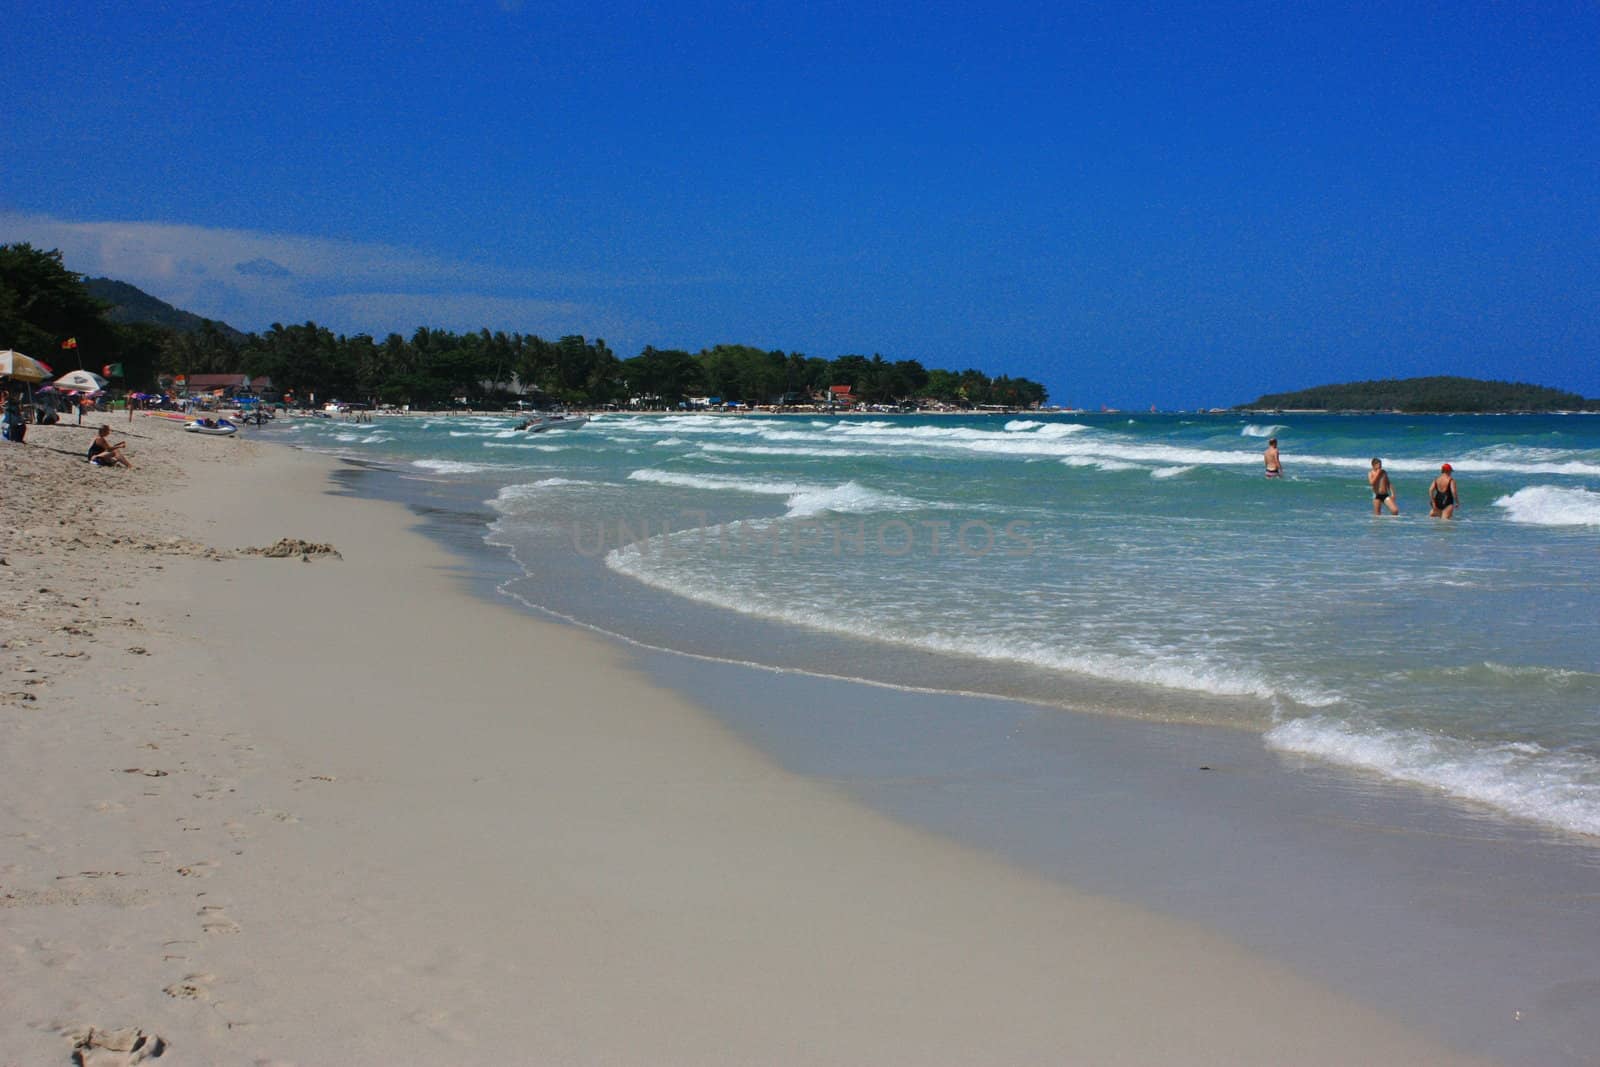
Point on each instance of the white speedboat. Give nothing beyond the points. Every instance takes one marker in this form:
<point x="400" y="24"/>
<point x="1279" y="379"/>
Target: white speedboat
<point x="542" y="423"/>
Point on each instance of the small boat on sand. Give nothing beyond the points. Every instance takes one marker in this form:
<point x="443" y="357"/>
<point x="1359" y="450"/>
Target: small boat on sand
<point x="214" y="427"/>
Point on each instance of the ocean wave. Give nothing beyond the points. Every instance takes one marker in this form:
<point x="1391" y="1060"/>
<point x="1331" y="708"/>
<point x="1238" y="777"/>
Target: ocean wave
<point x="1519" y="778"/>
<point x="1099" y="463"/>
<point x="1549" y="505"/>
<point x="782" y="450"/>
<point x="1523" y="676"/>
<point x="1170" y="472"/>
<point x="529" y="446"/>
<point x="450" y="466"/>
<point x="803" y="499"/>
<point x="512" y="498"/>
<point x="1178" y="671"/>
<point x="1109" y="449"/>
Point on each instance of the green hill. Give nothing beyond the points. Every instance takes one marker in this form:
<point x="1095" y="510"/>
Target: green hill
<point x="1436" y="394"/>
<point x="130" y="304"/>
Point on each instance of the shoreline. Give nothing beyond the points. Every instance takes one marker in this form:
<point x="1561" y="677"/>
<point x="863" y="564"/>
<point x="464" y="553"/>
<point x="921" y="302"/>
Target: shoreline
<point x="1254" y="858"/>
<point x="247" y="798"/>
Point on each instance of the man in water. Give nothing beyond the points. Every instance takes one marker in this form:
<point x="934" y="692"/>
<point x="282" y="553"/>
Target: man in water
<point x="1443" y="499"/>
<point x="1382" y="490"/>
<point x="1274" y="466"/>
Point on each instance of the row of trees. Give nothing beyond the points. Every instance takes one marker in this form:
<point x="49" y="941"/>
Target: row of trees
<point x="41" y="302"/>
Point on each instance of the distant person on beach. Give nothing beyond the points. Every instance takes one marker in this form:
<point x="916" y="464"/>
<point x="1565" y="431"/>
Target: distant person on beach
<point x="1443" y="499"/>
<point x="1274" y="465"/>
<point x="13" y="424"/>
<point x="102" y="453"/>
<point x="1382" y="489"/>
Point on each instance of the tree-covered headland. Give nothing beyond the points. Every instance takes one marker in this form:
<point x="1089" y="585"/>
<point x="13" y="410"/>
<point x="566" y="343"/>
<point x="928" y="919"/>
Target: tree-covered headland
<point x="1424" y="395"/>
<point x="42" y="303"/>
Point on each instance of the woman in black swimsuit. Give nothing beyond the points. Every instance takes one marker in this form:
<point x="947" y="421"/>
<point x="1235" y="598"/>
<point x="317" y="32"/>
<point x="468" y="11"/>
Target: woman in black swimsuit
<point x="1442" y="496"/>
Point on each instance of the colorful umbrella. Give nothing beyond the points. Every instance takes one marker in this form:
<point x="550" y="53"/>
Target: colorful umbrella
<point x="83" y="380"/>
<point x="14" y="364"/>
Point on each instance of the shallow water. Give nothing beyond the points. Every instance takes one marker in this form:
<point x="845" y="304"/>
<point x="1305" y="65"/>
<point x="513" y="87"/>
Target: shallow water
<point x="1131" y="565"/>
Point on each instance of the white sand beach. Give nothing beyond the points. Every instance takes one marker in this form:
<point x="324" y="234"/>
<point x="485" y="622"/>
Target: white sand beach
<point x="335" y="809"/>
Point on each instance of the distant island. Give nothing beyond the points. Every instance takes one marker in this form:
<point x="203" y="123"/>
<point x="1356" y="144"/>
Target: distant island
<point x="1438" y="395"/>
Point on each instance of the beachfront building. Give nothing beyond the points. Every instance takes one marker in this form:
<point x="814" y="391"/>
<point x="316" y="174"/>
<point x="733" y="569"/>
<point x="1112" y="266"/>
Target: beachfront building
<point x="226" y="386"/>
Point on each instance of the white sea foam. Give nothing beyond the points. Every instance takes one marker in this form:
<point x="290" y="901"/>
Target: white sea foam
<point x="1099" y="463"/>
<point x="450" y="466"/>
<point x="1170" y="472"/>
<point x="1106" y="449"/>
<point x="528" y="446"/>
<point x="850" y="498"/>
<point x="719" y="482"/>
<point x="1519" y="778"/>
<point x="512" y="499"/>
<point x="1560" y="679"/>
<point x="779" y="450"/>
<point x="804" y="499"/>
<point x="1181" y="671"/>
<point x="1549" y="505"/>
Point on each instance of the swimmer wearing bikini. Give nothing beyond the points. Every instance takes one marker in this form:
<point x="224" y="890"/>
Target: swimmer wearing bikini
<point x="1274" y="465"/>
<point x="1383" y="494"/>
<point x="1443" y="497"/>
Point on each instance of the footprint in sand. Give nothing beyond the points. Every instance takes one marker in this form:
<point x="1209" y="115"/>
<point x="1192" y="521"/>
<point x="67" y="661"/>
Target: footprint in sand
<point x="199" y="869"/>
<point x="214" y="921"/>
<point x="93" y="1047"/>
<point x="191" y="987"/>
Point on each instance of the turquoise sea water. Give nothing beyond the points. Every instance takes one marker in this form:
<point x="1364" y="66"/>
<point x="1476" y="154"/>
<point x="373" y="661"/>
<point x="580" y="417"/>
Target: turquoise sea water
<point x="1136" y="565"/>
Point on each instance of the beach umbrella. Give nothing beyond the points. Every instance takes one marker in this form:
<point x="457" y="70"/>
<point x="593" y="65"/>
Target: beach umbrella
<point x="86" y="381"/>
<point x="14" y="364"/>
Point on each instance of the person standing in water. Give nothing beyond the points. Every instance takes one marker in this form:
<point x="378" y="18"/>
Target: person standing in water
<point x="1274" y="465"/>
<point x="1443" y="498"/>
<point x="1382" y="489"/>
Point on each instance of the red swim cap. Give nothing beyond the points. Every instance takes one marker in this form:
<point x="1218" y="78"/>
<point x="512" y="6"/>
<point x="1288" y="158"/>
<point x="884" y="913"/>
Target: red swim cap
<point x="1446" y="467"/>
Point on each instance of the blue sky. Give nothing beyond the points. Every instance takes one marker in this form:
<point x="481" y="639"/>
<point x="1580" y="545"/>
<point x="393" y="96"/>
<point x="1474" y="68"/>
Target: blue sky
<point x="1179" y="205"/>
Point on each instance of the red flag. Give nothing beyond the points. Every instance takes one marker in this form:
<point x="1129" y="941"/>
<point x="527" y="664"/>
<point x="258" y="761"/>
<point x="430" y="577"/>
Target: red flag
<point x="71" y="342"/>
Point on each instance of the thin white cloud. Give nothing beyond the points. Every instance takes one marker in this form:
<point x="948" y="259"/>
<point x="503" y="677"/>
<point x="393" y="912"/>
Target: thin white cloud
<point x="459" y="311"/>
<point x="251" y="279"/>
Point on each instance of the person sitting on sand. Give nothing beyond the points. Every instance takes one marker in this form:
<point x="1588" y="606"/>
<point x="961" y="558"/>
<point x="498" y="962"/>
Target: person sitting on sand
<point x="1383" y="493"/>
<point x="13" y="424"/>
<point x="1443" y="498"/>
<point x="102" y="453"/>
<point x="1274" y="465"/>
